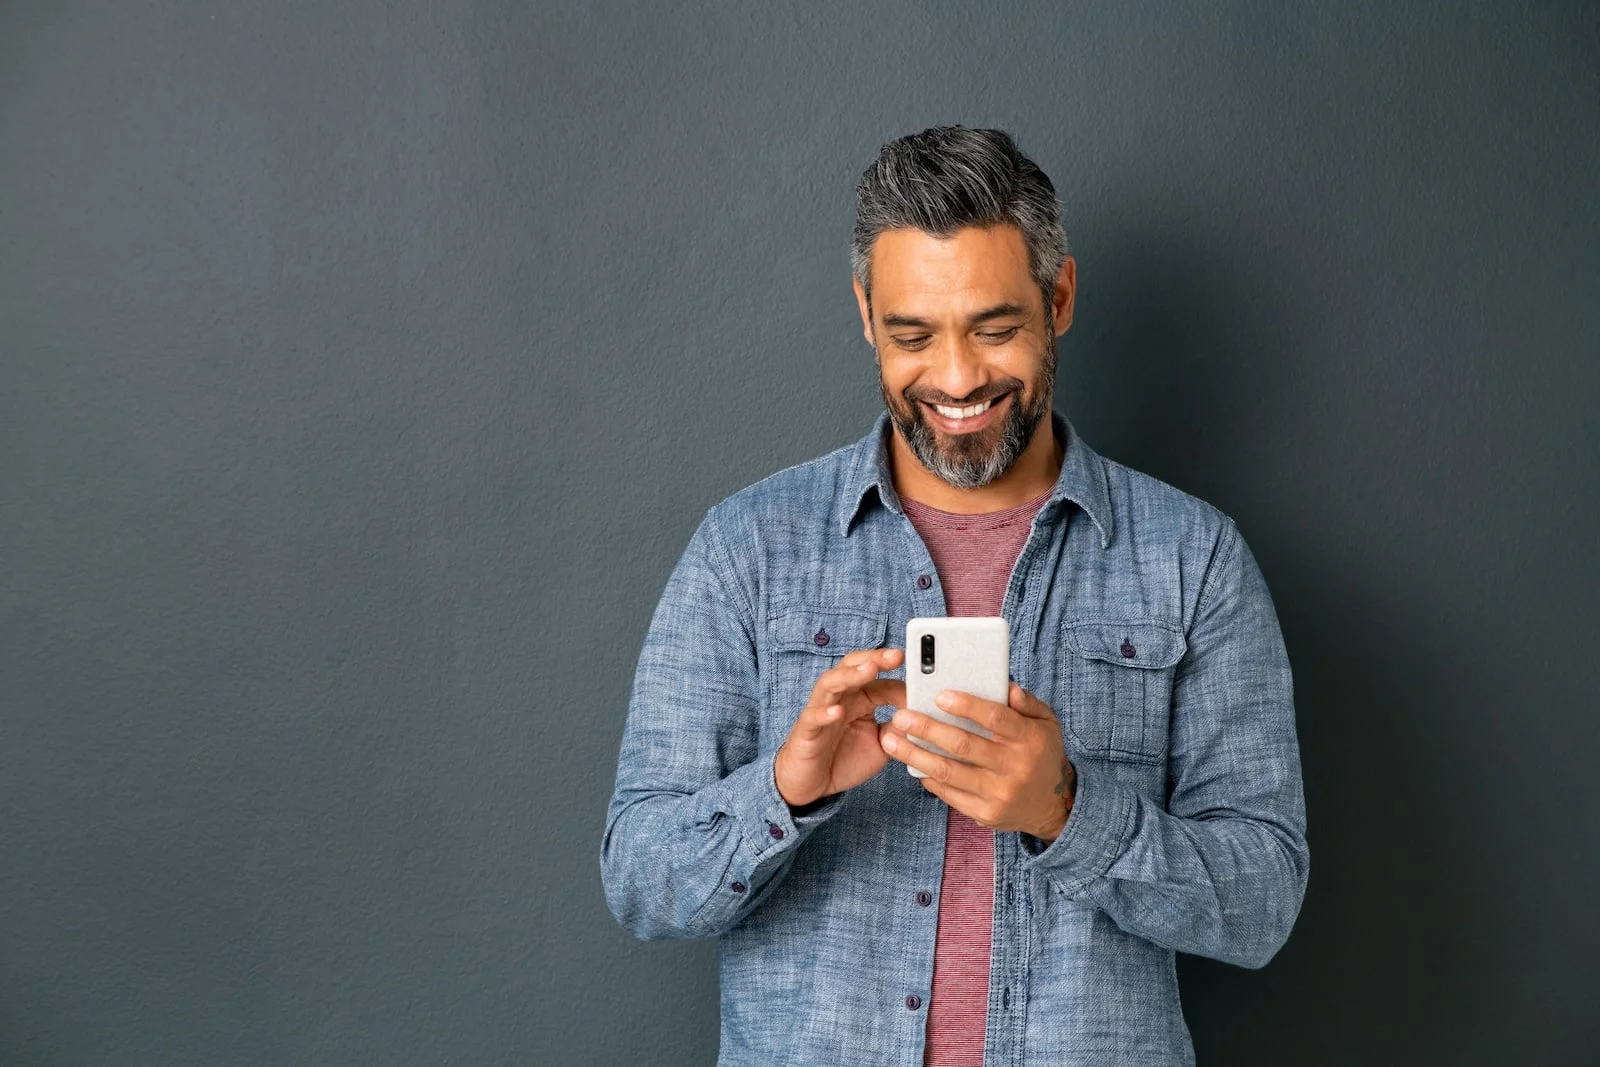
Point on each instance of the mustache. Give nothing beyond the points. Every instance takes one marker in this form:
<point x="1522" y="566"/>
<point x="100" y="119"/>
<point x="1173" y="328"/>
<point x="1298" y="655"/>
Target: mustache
<point x="947" y="400"/>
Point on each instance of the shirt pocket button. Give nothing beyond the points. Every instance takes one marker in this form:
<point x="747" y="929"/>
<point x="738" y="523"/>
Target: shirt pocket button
<point x="802" y="642"/>
<point x="1114" y="687"/>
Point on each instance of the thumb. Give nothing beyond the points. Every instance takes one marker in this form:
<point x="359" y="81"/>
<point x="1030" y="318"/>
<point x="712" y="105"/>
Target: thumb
<point x="1025" y="703"/>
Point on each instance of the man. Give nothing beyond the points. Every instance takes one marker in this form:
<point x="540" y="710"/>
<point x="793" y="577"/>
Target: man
<point x="1141" y="793"/>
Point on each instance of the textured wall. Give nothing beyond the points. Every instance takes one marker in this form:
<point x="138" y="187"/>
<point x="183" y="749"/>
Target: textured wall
<point x="365" y="366"/>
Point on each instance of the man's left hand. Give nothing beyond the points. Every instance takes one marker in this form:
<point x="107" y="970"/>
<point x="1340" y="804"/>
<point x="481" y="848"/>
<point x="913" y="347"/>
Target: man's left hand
<point x="1019" y="780"/>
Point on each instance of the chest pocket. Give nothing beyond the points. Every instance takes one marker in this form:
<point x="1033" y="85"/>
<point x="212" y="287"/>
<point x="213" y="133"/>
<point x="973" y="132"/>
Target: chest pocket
<point x="1116" y="680"/>
<point x="804" y="642"/>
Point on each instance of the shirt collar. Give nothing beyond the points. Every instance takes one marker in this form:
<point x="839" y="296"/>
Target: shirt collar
<point x="1082" y="479"/>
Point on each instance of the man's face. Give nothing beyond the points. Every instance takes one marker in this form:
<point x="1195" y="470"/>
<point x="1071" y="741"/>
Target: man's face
<point x="965" y="346"/>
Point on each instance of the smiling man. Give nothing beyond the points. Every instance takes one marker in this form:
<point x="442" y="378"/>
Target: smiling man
<point x="1140" y="794"/>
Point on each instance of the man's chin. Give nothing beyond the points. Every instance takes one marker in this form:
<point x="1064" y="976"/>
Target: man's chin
<point x="966" y="449"/>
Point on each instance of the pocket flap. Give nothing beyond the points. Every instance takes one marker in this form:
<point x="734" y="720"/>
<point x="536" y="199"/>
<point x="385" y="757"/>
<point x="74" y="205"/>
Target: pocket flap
<point x="1128" y="642"/>
<point x="828" y="631"/>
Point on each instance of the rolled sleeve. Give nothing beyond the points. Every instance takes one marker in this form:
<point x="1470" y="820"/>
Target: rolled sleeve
<point x="696" y="831"/>
<point x="1095" y="835"/>
<point x="1220" y="870"/>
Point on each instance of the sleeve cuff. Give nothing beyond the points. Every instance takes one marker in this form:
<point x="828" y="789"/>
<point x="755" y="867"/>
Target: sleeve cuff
<point x="1097" y="832"/>
<point x="766" y="824"/>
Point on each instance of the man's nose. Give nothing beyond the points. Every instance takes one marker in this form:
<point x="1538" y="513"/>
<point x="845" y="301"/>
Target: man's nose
<point x="957" y="371"/>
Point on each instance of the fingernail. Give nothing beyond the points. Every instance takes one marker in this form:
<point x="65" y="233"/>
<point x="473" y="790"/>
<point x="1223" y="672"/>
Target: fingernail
<point x="902" y="719"/>
<point x="944" y="699"/>
<point x="890" y="742"/>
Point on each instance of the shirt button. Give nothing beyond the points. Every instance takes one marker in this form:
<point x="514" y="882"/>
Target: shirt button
<point x="913" y="1002"/>
<point x="924" y="898"/>
<point x="821" y="638"/>
<point x="1128" y="651"/>
<point x="775" y="830"/>
<point x="737" y="887"/>
<point x="923" y="581"/>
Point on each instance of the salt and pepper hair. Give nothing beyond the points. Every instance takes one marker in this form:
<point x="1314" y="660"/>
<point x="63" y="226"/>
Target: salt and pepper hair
<point x="949" y="177"/>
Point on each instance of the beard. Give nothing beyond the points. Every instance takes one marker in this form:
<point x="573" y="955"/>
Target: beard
<point x="971" y="460"/>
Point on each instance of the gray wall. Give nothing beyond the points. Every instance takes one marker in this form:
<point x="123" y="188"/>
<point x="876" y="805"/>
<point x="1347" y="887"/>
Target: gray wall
<point x="364" y="367"/>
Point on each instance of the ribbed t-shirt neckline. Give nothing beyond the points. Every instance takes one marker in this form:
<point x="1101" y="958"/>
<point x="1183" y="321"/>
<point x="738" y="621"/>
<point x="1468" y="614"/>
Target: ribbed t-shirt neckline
<point x="986" y="520"/>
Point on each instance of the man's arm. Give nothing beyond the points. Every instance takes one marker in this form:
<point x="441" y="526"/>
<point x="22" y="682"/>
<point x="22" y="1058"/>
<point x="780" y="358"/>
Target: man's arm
<point x="697" y="833"/>
<point x="1220" y="872"/>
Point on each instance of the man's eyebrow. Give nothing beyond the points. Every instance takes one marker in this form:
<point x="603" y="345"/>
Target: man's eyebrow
<point x="998" y="311"/>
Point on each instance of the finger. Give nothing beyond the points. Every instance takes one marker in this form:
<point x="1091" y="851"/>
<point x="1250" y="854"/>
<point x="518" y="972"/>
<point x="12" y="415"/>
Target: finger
<point x="971" y="805"/>
<point x="835" y="682"/>
<point x="962" y="744"/>
<point x="942" y="768"/>
<point x="815" y="722"/>
<point x="863" y="702"/>
<point x="850" y="674"/>
<point x="864" y="655"/>
<point x="1025" y="703"/>
<point x="995" y="717"/>
<point x="851" y="671"/>
<point x="885" y="691"/>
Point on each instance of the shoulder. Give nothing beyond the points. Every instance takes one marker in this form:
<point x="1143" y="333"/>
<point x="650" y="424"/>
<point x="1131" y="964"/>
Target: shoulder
<point x="803" y="495"/>
<point x="1150" y="512"/>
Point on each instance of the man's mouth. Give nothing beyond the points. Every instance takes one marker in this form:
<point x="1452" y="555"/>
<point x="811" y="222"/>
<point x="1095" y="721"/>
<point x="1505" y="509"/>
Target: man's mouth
<point x="963" y="413"/>
<point x="965" y="418"/>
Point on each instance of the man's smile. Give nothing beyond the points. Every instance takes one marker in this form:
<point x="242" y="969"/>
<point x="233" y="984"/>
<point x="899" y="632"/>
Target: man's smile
<point x="962" y="420"/>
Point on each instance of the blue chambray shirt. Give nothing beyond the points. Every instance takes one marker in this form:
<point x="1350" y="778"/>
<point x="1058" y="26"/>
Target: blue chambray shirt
<point x="1136" y="612"/>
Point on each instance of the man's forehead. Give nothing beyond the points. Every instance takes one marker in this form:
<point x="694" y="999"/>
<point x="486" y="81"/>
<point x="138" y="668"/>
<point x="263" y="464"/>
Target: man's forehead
<point x="917" y="275"/>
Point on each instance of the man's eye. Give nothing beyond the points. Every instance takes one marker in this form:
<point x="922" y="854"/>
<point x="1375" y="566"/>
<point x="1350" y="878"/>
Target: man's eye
<point x="1002" y="335"/>
<point x="911" y="342"/>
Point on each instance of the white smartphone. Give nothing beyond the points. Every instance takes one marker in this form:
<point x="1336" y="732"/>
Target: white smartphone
<point x="971" y="654"/>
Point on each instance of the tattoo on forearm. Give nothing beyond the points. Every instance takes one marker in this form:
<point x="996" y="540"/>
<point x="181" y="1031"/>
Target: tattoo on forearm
<point x="1066" y="769"/>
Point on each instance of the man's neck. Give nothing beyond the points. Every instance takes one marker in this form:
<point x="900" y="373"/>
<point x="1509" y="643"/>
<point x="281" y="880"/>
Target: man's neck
<point x="1034" y="472"/>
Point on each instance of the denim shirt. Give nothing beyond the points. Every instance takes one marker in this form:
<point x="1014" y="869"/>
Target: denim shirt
<point x="1136" y="612"/>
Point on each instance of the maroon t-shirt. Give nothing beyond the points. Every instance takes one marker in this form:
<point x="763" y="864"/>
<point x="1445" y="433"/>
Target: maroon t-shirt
<point x="974" y="555"/>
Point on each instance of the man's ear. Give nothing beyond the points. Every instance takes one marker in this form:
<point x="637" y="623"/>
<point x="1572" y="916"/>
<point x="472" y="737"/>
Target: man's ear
<point x="861" y="303"/>
<point x="1066" y="292"/>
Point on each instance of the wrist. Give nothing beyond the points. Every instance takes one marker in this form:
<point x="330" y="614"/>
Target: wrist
<point x="788" y="794"/>
<point x="797" y="810"/>
<point x="1052" y="829"/>
<point x="1065" y="792"/>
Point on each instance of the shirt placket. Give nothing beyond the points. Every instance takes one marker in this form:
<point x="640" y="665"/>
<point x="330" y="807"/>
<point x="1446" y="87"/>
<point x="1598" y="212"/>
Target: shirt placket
<point x="926" y="597"/>
<point x="1012" y="926"/>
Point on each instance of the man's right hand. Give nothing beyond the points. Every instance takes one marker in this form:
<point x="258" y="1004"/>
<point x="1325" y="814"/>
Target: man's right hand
<point x="833" y="745"/>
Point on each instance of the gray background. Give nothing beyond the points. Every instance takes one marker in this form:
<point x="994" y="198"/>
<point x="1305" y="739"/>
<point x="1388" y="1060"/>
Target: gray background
<point x="364" y="368"/>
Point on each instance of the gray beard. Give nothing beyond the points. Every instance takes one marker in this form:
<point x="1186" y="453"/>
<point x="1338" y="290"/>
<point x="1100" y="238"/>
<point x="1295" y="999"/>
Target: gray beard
<point x="968" y="465"/>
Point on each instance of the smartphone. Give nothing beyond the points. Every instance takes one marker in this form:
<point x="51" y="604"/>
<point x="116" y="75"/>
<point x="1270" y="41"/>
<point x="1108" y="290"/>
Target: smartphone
<point x="971" y="654"/>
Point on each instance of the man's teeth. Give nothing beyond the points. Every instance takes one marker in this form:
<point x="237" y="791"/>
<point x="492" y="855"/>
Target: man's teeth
<point x="963" y="413"/>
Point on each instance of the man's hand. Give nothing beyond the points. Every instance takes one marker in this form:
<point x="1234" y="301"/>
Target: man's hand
<point x="834" y="745"/>
<point x="1019" y="780"/>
